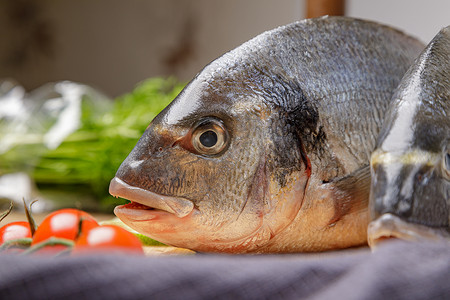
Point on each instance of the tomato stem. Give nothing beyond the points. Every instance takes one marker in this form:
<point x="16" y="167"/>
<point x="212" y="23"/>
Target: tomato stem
<point x="80" y="227"/>
<point x="29" y="216"/>
<point x="4" y="214"/>
<point x="21" y="243"/>
<point x="52" y="241"/>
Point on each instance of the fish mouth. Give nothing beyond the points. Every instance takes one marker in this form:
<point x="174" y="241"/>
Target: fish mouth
<point x="145" y="204"/>
<point x="389" y="226"/>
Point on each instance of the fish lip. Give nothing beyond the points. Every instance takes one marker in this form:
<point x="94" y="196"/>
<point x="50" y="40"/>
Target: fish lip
<point x="178" y="206"/>
<point x="389" y="226"/>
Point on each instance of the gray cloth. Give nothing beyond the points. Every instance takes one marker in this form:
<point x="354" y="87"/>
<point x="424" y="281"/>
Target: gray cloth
<point x="398" y="270"/>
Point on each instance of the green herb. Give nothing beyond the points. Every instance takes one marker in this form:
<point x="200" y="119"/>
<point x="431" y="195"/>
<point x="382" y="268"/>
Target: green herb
<point x="86" y="161"/>
<point x="146" y="241"/>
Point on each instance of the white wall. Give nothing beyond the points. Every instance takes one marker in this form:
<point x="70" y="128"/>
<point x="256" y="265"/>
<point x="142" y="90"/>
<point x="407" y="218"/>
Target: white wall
<point x="421" y="18"/>
<point x="113" y="44"/>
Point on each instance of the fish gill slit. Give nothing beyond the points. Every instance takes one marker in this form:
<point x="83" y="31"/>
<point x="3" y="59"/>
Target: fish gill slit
<point x="308" y="168"/>
<point x="243" y="207"/>
<point x="261" y="169"/>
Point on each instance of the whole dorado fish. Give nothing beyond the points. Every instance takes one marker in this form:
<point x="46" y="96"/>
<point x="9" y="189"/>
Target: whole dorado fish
<point x="410" y="194"/>
<point x="267" y="149"/>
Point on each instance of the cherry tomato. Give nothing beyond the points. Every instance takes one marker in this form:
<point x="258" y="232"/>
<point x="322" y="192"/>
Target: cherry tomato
<point x="14" y="231"/>
<point x="108" y="239"/>
<point x="63" y="223"/>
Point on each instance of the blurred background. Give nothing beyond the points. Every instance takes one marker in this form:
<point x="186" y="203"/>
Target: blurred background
<point x="63" y="62"/>
<point x="111" y="44"/>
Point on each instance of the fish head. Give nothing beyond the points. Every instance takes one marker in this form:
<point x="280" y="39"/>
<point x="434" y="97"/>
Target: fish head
<point x="213" y="172"/>
<point x="243" y="160"/>
<point x="413" y="185"/>
<point x="410" y="182"/>
<point x="410" y="192"/>
<point x="410" y="195"/>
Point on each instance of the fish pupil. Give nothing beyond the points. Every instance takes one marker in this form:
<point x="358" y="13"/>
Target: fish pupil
<point x="208" y="138"/>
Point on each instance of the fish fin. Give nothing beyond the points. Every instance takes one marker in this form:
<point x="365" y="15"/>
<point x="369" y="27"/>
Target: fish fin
<point x="351" y="193"/>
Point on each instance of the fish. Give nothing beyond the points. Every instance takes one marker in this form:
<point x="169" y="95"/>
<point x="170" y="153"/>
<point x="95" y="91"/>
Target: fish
<point x="410" y="167"/>
<point x="267" y="148"/>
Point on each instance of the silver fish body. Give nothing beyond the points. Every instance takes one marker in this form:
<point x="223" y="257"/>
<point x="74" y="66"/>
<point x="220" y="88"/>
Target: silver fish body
<point x="410" y="193"/>
<point x="267" y="148"/>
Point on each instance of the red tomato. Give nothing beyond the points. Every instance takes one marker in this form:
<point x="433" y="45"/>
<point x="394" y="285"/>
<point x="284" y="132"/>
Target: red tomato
<point x="64" y="224"/>
<point x="108" y="238"/>
<point x="14" y="231"/>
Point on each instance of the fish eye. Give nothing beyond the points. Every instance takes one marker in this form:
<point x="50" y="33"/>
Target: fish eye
<point x="209" y="137"/>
